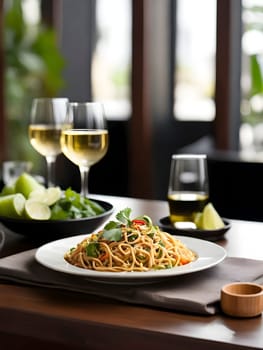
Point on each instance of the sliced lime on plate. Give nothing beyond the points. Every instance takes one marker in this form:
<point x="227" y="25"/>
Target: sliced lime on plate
<point x="35" y="210"/>
<point x="8" y="189"/>
<point x="12" y="205"/>
<point x="198" y="220"/>
<point x="25" y="184"/>
<point x="48" y="196"/>
<point x="211" y="219"/>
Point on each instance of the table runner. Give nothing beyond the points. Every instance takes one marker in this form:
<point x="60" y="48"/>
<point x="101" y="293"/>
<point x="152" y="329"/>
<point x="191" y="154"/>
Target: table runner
<point x="196" y="293"/>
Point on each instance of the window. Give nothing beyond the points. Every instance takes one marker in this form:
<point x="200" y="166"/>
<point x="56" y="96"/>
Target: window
<point x="251" y="137"/>
<point x="195" y="60"/>
<point x="112" y="57"/>
<point x="31" y="9"/>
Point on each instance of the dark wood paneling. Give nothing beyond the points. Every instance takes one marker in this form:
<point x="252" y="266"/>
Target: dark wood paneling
<point x="228" y="66"/>
<point x="140" y="124"/>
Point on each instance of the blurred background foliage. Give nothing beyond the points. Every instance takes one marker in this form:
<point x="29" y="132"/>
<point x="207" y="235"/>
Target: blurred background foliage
<point x="33" y="68"/>
<point x="252" y="104"/>
<point x="254" y="96"/>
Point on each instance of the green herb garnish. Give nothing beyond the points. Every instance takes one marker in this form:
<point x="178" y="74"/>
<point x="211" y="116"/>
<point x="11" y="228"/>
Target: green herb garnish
<point x="74" y="206"/>
<point x="92" y="249"/>
<point x="124" y="216"/>
<point x="112" y="231"/>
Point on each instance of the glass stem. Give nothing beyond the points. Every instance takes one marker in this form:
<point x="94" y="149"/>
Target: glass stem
<point x="51" y="161"/>
<point x="84" y="175"/>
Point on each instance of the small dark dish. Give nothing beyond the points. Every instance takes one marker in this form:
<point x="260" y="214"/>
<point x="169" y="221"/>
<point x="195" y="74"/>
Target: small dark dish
<point x="46" y="230"/>
<point x="208" y="235"/>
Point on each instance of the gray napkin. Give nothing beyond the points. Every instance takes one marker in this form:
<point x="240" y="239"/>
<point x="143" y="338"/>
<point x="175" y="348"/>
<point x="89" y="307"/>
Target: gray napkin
<point x="197" y="293"/>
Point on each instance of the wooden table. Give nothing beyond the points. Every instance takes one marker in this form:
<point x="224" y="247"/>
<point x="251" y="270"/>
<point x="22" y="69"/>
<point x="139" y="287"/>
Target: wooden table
<point x="33" y="316"/>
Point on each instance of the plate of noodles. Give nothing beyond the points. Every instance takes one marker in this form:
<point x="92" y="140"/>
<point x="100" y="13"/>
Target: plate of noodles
<point x="129" y="251"/>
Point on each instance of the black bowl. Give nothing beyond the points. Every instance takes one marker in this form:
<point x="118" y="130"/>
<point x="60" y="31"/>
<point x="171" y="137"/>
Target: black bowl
<point x="208" y="235"/>
<point x="46" y="230"/>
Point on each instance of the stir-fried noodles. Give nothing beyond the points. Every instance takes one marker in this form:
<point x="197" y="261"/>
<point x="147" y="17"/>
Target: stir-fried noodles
<point x="129" y="245"/>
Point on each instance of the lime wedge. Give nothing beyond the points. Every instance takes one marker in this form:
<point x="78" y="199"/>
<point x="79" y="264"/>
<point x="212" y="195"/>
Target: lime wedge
<point x="198" y="220"/>
<point x="36" y="210"/>
<point x="38" y="194"/>
<point x="25" y="184"/>
<point x="8" y="189"/>
<point x="211" y="218"/>
<point x="53" y="195"/>
<point x="48" y="196"/>
<point x="12" y="205"/>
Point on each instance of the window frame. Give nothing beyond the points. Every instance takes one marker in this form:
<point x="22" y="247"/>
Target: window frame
<point x="228" y="74"/>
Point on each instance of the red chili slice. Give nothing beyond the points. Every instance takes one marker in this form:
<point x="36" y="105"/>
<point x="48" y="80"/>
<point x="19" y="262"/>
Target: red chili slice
<point x="138" y="222"/>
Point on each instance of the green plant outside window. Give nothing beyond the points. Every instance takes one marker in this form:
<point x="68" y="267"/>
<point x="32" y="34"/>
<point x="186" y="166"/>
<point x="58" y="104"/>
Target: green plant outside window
<point x="33" y="68"/>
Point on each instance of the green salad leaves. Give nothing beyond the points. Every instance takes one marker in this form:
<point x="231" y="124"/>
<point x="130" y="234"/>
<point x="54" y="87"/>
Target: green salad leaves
<point x="74" y="206"/>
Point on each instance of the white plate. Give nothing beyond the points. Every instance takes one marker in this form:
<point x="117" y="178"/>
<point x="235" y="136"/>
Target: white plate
<point x="51" y="255"/>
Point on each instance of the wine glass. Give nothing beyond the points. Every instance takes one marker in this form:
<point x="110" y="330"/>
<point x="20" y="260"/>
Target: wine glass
<point x="46" y="120"/>
<point x="84" y="138"/>
<point x="188" y="190"/>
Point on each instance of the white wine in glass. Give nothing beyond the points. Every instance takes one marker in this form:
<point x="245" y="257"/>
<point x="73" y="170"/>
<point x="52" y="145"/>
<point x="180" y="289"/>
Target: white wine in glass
<point x="188" y="190"/>
<point x="46" y="121"/>
<point x="84" y="138"/>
